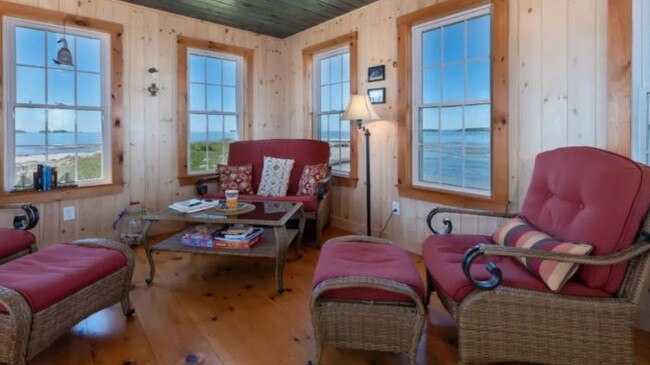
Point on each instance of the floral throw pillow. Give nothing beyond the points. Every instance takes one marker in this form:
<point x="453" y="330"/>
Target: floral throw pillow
<point x="311" y="175"/>
<point x="275" y="177"/>
<point x="238" y="178"/>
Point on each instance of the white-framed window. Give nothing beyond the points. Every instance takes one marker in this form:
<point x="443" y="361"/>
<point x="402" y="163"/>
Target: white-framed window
<point x="215" y="107"/>
<point x="331" y="94"/>
<point x="641" y="81"/>
<point x="451" y="73"/>
<point x="55" y="114"/>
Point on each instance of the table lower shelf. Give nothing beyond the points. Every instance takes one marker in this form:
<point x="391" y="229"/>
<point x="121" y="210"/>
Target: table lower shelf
<point x="264" y="248"/>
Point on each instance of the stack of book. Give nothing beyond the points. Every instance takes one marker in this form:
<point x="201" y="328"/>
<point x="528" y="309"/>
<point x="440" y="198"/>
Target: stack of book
<point x="237" y="237"/>
<point x="193" y="205"/>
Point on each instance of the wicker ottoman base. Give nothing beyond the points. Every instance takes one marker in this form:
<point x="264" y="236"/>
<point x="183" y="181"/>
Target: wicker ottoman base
<point x="23" y="334"/>
<point x="367" y="325"/>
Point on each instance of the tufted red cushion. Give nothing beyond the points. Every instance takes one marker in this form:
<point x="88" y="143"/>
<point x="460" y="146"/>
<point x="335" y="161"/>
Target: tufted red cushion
<point x="52" y="274"/>
<point x="309" y="202"/>
<point x="443" y="256"/>
<point x="13" y="241"/>
<point x="302" y="151"/>
<point x="583" y="194"/>
<point x="364" y="259"/>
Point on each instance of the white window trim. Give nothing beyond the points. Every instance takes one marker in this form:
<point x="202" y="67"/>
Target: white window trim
<point x="9" y="92"/>
<point x="416" y="71"/>
<point x="640" y="81"/>
<point x="316" y="127"/>
<point x="239" y="107"/>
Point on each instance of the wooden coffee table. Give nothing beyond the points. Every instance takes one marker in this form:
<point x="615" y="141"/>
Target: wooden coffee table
<point x="274" y="243"/>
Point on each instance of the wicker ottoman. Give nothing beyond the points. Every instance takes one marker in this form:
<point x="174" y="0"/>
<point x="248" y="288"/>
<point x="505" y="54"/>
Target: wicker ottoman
<point x="44" y="294"/>
<point x="367" y="294"/>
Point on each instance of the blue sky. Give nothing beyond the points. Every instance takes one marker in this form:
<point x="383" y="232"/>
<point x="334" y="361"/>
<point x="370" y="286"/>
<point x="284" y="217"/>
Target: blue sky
<point x="33" y="67"/>
<point x="444" y="59"/>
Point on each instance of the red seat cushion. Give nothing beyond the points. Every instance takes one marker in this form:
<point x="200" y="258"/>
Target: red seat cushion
<point x="302" y="151"/>
<point x="339" y="260"/>
<point x="54" y="273"/>
<point x="309" y="202"/>
<point x="583" y="194"/>
<point x="14" y="240"/>
<point x="443" y="256"/>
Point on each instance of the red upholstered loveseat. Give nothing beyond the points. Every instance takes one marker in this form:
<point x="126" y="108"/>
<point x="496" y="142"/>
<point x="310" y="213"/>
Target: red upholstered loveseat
<point x="302" y="151"/>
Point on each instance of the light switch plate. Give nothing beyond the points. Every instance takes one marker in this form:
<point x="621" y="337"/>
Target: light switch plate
<point x="68" y="213"/>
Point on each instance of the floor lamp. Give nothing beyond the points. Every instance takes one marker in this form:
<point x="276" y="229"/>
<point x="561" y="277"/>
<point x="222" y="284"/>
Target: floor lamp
<point x="360" y="109"/>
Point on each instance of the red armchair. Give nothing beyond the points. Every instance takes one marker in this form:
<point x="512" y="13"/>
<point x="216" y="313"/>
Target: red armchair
<point x="16" y="242"/>
<point x="505" y="313"/>
<point x="303" y="152"/>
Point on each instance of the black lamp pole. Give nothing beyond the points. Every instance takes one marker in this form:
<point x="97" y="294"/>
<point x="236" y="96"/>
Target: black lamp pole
<point x="366" y="132"/>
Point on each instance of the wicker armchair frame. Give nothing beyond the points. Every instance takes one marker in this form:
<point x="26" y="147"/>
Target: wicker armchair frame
<point x="25" y="220"/>
<point x="377" y="326"/>
<point x="499" y="324"/>
<point x="24" y="334"/>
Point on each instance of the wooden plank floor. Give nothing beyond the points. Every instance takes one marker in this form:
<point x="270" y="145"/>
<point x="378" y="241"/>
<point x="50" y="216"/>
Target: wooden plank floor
<point x="225" y="310"/>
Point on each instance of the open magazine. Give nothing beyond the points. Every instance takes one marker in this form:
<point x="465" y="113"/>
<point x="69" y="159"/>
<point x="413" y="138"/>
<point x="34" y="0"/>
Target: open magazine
<point x="193" y="205"/>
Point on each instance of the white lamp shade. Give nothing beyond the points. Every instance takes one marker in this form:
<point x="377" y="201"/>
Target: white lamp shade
<point x="360" y="108"/>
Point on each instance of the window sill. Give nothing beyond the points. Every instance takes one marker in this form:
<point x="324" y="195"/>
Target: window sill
<point x="346" y="181"/>
<point x="452" y="198"/>
<point x="61" y="194"/>
<point x="187" y="180"/>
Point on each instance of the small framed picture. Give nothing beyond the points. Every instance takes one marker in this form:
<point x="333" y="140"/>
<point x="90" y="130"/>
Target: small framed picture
<point x="376" y="73"/>
<point x="377" y="96"/>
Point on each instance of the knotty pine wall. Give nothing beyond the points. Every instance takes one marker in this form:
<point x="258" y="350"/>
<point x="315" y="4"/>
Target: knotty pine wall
<point x="557" y="98"/>
<point x="150" y="142"/>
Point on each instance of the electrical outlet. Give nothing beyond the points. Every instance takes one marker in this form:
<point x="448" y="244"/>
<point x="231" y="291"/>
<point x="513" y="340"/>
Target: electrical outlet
<point x="395" y="208"/>
<point x="68" y="213"/>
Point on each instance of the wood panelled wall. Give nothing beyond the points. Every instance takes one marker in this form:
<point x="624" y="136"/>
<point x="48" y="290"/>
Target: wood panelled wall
<point x="150" y="141"/>
<point x="557" y="98"/>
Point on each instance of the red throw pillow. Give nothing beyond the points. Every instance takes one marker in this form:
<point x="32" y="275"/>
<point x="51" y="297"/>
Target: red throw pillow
<point x="311" y="175"/>
<point x="238" y="178"/>
<point x="517" y="233"/>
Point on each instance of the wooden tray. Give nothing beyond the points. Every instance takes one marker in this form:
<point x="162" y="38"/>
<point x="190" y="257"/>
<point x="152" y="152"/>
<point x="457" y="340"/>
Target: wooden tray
<point x="241" y="208"/>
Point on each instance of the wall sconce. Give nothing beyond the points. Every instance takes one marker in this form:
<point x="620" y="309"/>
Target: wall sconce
<point x="153" y="88"/>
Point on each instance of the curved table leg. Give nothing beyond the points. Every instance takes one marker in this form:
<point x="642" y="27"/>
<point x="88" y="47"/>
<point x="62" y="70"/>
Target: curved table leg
<point x="301" y="230"/>
<point x="147" y="249"/>
<point x="281" y="244"/>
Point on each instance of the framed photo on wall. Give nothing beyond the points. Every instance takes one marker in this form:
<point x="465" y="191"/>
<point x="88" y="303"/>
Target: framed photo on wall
<point x="376" y="73"/>
<point x="377" y="96"/>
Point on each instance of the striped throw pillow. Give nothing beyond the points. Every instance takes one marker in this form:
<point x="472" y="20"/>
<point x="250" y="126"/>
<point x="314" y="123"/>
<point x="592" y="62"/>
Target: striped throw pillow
<point x="517" y="233"/>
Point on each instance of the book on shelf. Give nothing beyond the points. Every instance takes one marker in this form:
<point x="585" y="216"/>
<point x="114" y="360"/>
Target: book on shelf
<point x="192" y="205"/>
<point x="246" y="242"/>
<point x="238" y="231"/>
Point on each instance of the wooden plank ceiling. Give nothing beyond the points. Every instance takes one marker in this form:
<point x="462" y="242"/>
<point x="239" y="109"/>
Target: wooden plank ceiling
<point x="277" y="18"/>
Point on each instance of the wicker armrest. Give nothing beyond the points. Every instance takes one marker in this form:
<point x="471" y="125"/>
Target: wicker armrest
<point x="105" y="243"/>
<point x="358" y="238"/>
<point x="16" y="327"/>
<point x="26" y="220"/>
<point x="324" y="183"/>
<point x="447" y="221"/>
<point x="479" y="250"/>
<point x="200" y="187"/>
<point x="366" y="282"/>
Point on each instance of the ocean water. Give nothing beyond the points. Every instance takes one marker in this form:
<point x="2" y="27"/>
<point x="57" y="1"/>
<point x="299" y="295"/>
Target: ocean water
<point x="28" y="144"/>
<point x="456" y="158"/>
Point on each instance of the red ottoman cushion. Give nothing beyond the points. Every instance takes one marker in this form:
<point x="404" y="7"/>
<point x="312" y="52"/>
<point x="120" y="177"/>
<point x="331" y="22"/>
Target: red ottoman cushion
<point x="362" y="259"/>
<point x="13" y="241"/>
<point x="52" y="274"/>
<point x="443" y="256"/>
